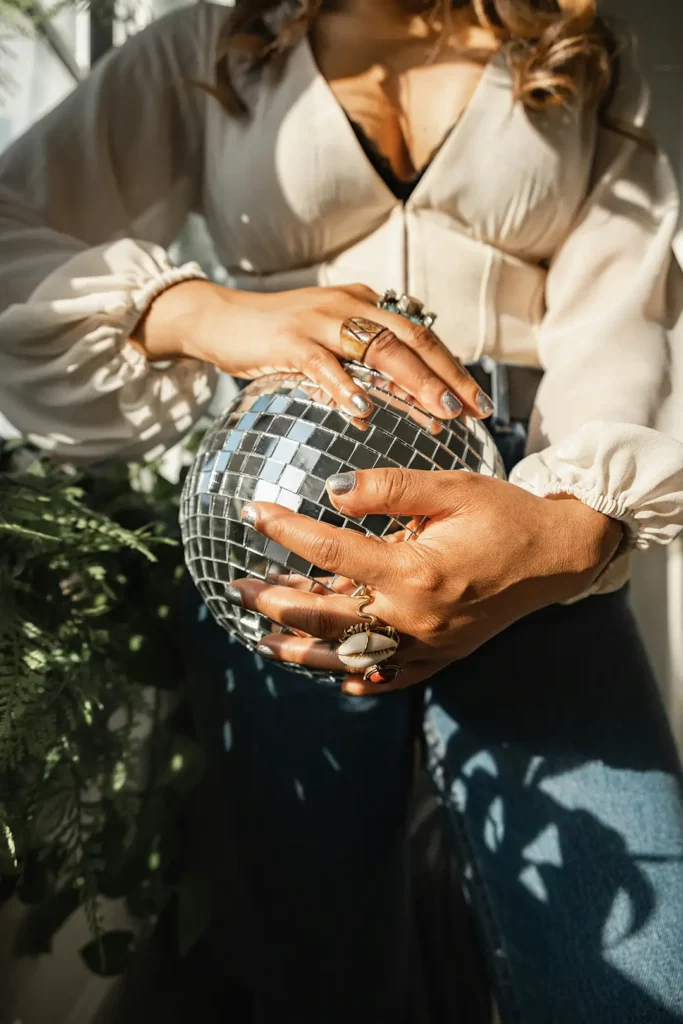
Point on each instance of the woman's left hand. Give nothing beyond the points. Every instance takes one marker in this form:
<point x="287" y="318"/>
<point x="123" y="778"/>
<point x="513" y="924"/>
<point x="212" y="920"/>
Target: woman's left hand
<point x="489" y="554"/>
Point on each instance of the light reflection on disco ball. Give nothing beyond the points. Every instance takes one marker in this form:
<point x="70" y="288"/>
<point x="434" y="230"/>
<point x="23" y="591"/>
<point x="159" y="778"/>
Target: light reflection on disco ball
<point x="279" y="441"/>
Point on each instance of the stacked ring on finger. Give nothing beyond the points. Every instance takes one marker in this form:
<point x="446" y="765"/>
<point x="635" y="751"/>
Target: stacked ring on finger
<point x="363" y="647"/>
<point x="357" y="335"/>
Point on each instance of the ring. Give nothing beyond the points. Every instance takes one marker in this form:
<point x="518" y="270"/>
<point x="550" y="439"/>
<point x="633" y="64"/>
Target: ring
<point x="362" y="648"/>
<point x="408" y="307"/>
<point x="356" y="335"/>
<point x="380" y="675"/>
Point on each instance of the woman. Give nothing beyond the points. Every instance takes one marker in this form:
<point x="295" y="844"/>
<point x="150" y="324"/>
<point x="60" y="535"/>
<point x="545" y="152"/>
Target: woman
<point x="492" y="159"/>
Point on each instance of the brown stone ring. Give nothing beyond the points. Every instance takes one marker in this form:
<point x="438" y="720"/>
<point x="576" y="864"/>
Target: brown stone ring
<point x="357" y="335"/>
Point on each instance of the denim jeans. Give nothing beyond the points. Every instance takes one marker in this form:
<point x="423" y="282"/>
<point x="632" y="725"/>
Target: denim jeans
<point x="560" y="793"/>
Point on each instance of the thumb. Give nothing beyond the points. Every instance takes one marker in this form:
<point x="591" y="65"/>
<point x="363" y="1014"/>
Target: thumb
<point x="411" y="492"/>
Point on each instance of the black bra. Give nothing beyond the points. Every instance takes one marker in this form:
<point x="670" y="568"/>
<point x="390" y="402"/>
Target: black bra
<point x="401" y="187"/>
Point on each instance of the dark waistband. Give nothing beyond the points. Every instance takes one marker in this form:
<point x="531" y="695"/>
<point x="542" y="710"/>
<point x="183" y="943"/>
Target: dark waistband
<point x="512" y="386"/>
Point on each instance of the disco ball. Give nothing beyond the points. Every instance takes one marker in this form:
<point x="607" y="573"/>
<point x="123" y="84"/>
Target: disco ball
<point x="279" y="441"/>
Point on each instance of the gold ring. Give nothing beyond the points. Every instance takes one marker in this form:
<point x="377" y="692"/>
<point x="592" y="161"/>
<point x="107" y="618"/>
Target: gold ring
<point x="356" y="335"/>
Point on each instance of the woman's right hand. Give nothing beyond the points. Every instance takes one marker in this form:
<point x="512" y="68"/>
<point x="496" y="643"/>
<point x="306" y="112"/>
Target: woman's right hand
<point x="251" y="334"/>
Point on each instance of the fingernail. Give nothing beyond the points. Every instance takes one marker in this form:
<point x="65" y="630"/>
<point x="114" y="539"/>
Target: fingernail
<point x="250" y="515"/>
<point x="361" y="403"/>
<point x="265" y="652"/>
<point x="342" y="483"/>
<point x="232" y="595"/>
<point x="484" y="403"/>
<point x="451" y="403"/>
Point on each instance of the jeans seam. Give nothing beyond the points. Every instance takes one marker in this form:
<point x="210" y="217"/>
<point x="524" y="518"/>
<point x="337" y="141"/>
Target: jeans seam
<point x="493" y="934"/>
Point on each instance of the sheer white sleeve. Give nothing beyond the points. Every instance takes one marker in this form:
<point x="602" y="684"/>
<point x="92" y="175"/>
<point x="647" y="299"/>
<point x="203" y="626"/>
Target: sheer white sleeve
<point x="629" y="472"/>
<point x="90" y="199"/>
<point x="606" y="338"/>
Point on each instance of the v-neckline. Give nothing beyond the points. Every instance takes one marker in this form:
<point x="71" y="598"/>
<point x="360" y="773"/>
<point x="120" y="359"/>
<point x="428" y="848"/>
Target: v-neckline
<point x="448" y="139"/>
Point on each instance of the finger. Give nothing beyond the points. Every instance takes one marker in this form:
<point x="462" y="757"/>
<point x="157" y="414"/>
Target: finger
<point x="355" y="686"/>
<point x="325" y="370"/>
<point x="438" y="364"/>
<point x="324" y="616"/>
<point x="337" y="551"/>
<point x="392" y="357"/>
<point x="413" y="492"/>
<point x="363" y="293"/>
<point x="412" y="356"/>
<point x="321" y="654"/>
<point x="295" y="650"/>
<point x="398" y="398"/>
<point x="396" y="360"/>
<point x="319" y="585"/>
<point x="414" y="673"/>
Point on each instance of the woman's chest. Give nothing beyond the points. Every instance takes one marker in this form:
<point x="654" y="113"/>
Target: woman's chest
<point x="291" y="185"/>
<point x="407" y="116"/>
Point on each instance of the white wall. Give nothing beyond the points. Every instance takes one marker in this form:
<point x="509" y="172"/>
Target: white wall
<point x="658" y="575"/>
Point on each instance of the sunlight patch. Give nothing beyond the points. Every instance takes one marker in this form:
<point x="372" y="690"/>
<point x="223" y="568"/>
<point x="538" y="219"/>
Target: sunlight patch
<point x="227" y="736"/>
<point x="532" y="880"/>
<point x="494" y="827"/>
<point x="329" y="756"/>
<point x="545" y="848"/>
<point x="619" y="922"/>
<point x="482" y="761"/>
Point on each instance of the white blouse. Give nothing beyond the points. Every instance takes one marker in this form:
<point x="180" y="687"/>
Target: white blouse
<point x="538" y="238"/>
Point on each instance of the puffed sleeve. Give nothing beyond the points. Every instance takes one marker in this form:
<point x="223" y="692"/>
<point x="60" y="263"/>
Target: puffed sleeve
<point x="612" y="297"/>
<point x="90" y="199"/>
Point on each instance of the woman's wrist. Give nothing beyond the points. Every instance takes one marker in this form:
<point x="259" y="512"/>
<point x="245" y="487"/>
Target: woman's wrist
<point x="590" y="538"/>
<point x="178" y="320"/>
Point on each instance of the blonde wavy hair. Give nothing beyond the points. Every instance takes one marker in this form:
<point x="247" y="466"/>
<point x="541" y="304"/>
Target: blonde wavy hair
<point x="558" y="49"/>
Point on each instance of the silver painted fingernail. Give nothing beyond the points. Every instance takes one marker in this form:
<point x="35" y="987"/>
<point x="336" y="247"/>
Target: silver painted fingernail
<point x="232" y="595"/>
<point x="265" y="652"/>
<point x="249" y="515"/>
<point x="361" y="403"/>
<point x="484" y="403"/>
<point x="342" y="483"/>
<point x="451" y="403"/>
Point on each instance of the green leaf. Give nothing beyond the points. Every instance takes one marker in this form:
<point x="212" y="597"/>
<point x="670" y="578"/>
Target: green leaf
<point x="184" y="765"/>
<point x="110" y="954"/>
<point x="75" y="588"/>
<point x="8" y="851"/>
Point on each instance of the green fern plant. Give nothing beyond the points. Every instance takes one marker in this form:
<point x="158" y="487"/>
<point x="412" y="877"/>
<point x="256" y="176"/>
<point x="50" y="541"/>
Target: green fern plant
<point x="91" y="772"/>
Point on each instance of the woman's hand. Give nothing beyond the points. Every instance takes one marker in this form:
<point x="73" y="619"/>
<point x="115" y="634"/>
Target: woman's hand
<point x="249" y="334"/>
<point x="490" y="553"/>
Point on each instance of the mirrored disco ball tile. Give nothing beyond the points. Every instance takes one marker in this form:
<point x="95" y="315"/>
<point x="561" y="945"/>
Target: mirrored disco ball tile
<point x="326" y="466"/>
<point x="300" y="431"/>
<point x="255" y="541"/>
<point x="279" y="441"/>
<point x="362" y="458"/>
<point x="289" y="500"/>
<point x="306" y="459"/>
<point x="315" y="414"/>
